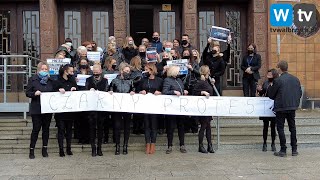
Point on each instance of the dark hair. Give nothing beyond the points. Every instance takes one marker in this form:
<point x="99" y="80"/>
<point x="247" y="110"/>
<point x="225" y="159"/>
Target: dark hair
<point x="190" y="54"/>
<point x="274" y="72"/>
<point x="176" y="40"/>
<point x="185" y="35"/>
<point x="254" y="47"/>
<point x="67" y="40"/>
<point x="283" y="65"/>
<point x="64" y="68"/>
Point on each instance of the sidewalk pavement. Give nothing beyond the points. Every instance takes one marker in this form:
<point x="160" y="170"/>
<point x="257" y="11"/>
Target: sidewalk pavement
<point x="224" y="164"/>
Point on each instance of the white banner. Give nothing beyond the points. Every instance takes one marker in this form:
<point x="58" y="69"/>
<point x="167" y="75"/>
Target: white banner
<point x="151" y="104"/>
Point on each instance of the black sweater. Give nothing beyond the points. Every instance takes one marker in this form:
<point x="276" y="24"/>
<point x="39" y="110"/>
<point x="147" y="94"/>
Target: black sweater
<point x="150" y="85"/>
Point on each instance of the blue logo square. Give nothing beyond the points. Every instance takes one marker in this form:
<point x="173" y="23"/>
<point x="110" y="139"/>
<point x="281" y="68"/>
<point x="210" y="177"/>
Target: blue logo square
<point x="281" y="15"/>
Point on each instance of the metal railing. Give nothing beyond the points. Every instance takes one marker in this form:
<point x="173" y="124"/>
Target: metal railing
<point x="27" y="71"/>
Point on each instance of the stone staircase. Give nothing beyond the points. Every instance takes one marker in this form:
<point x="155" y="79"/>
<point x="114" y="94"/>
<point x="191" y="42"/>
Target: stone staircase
<point x="234" y="133"/>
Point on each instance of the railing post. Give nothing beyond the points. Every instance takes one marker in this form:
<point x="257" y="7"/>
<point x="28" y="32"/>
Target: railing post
<point x="30" y="67"/>
<point x="4" y="80"/>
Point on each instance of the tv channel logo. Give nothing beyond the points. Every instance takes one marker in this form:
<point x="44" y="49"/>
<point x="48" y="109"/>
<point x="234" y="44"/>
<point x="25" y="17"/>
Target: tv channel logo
<point x="302" y="15"/>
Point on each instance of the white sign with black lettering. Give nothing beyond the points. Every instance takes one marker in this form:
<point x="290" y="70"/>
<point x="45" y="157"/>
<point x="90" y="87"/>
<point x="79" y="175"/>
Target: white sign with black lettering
<point x="162" y="104"/>
<point x="54" y="65"/>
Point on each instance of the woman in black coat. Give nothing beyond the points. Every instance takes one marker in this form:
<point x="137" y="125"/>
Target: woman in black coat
<point x="37" y="84"/>
<point x="173" y="85"/>
<point x="122" y="84"/>
<point x="250" y="65"/>
<point x="263" y="91"/>
<point x="66" y="82"/>
<point x="150" y="84"/>
<point x="203" y="88"/>
<point x="129" y="50"/>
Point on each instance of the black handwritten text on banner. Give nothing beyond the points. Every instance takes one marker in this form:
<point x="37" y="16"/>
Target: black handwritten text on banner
<point x="162" y="104"/>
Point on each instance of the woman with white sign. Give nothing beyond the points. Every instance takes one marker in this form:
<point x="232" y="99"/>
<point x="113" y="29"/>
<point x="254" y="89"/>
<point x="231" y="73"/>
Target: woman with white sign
<point x="173" y="85"/>
<point x="204" y="88"/>
<point x="66" y="82"/>
<point x="37" y="84"/>
<point x="122" y="84"/>
<point x="150" y="84"/>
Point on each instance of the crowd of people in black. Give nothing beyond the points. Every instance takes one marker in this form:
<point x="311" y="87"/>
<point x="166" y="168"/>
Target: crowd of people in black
<point x="137" y="75"/>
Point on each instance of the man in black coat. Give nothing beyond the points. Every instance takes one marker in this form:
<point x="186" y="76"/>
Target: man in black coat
<point x="286" y="93"/>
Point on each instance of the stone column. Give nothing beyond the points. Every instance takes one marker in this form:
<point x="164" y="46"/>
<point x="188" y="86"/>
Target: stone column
<point x="190" y="21"/>
<point x="48" y="28"/>
<point x="259" y="14"/>
<point x="120" y="21"/>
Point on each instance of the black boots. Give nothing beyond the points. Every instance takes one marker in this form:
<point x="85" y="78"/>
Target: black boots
<point x="210" y="148"/>
<point x="125" y="149"/>
<point x="273" y="147"/>
<point x="99" y="151"/>
<point x="31" y="153"/>
<point x="69" y="152"/>
<point x="94" y="151"/>
<point x="61" y="152"/>
<point x="202" y="149"/>
<point x="264" y="147"/>
<point x="117" y="149"/>
<point x="44" y="152"/>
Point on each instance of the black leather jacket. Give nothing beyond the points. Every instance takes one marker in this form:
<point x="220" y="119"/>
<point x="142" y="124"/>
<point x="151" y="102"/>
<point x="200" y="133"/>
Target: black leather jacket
<point x="121" y="85"/>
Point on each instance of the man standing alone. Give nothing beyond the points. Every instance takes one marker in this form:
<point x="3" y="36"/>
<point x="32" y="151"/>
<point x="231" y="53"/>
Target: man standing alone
<point x="286" y="93"/>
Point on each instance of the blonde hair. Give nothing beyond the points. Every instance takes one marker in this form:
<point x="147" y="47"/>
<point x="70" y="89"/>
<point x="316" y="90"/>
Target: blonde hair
<point x="173" y="71"/>
<point x="169" y="55"/>
<point x="204" y="71"/>
<point x="126" y="43"/>
<point x="152" y="67"/>
<point x="135" y="63"/>
<point x="108" y="61"/>
<point x="123" y="65"/>
<point x="198" y="55"/>
<point x="111" y="47"/>
<point x="40" y="64"/>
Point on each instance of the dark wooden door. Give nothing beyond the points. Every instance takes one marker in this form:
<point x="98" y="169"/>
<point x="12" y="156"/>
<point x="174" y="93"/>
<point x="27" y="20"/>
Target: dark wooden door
<point x="141" y="24"/>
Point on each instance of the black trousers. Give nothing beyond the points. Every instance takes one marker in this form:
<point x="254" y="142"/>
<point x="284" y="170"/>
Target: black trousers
<point x="290" y="116"/>
<point x="218" y="85"/>
<point x="122" y="120"/>
<point x="108" y="123"/>
<point x="205" y="126"/>
<point x="150" y="128"/>
<point x="137" y="122"/>
<point x="172" y="122"/>
<point x="161" y="122"/>
<point x="64" y="130"/>
<point x="40" y="121"/>
<point x="83" y="123"/>
<point x="191" y="124"/>
<point x="96" y="120"/>
<point x="249" y="86"/>
<point x="266" y="123"/>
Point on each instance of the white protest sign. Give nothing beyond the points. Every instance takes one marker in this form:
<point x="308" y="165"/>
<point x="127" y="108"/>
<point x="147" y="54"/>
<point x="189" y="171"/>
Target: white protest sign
<point x="82" y="79"/>
<point x="110" y="77"/>
<point x="219" y="33"/>
<point x="54" y="65"/>
<point x="93" y="56"/>
<point x="162" y="104"/>
<point x="182" y="63"/>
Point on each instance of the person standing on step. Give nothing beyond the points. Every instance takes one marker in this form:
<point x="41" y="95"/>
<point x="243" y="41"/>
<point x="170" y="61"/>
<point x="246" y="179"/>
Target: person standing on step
<point x="122" y="84"/>
<point x="286" y="93"/>
<point x="150" y="84"/>
<point x="96" y="118"/>
<point x="263" y="91"/>
<point x="66" y="82"/>
<point x="37" y="84"/>
<point x="173" y="85"/>
<point x="204" y="88"/>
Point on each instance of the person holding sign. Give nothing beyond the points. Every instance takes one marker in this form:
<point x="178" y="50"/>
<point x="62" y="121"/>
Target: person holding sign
<point x="173" y="85"/>
<point x="122" y="84"/>
<point x="263" y="91"/>
<point x="204" y="88"/>
<point x="150" y="84"/>
<point x="65" y="82"/>
<point x="251" y="63"/>
<point x="37" y="84"/>
<point x="96" y="118"/>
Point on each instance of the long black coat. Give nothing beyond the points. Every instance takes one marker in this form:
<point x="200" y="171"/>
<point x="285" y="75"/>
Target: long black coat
<point x="129" y="53"/>
<point x="33" y="86"/>
<point x="255" y="66"/>
<point x="286" y="92"/>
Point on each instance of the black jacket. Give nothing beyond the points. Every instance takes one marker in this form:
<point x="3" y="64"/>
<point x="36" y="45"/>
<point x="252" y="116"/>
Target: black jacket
<point x="66" y="85"/>
<point x="225" y="57"/>
<point x="255" y="66"/>
<point x="286" y="92"/>
<point x="150" y="85"/>
<point x="171" y="84"/>
<point x="192" y="77"/>
<point x="202" y="86"/>
<point x="129" y="53"/>
<point x="121" y="85"/>
<point x="160" y="66"/>
<point x="216" y="65"/>
<point x="265" y="93"/>
<point x="33" y="86"/>
<point x="101" y="85"/>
